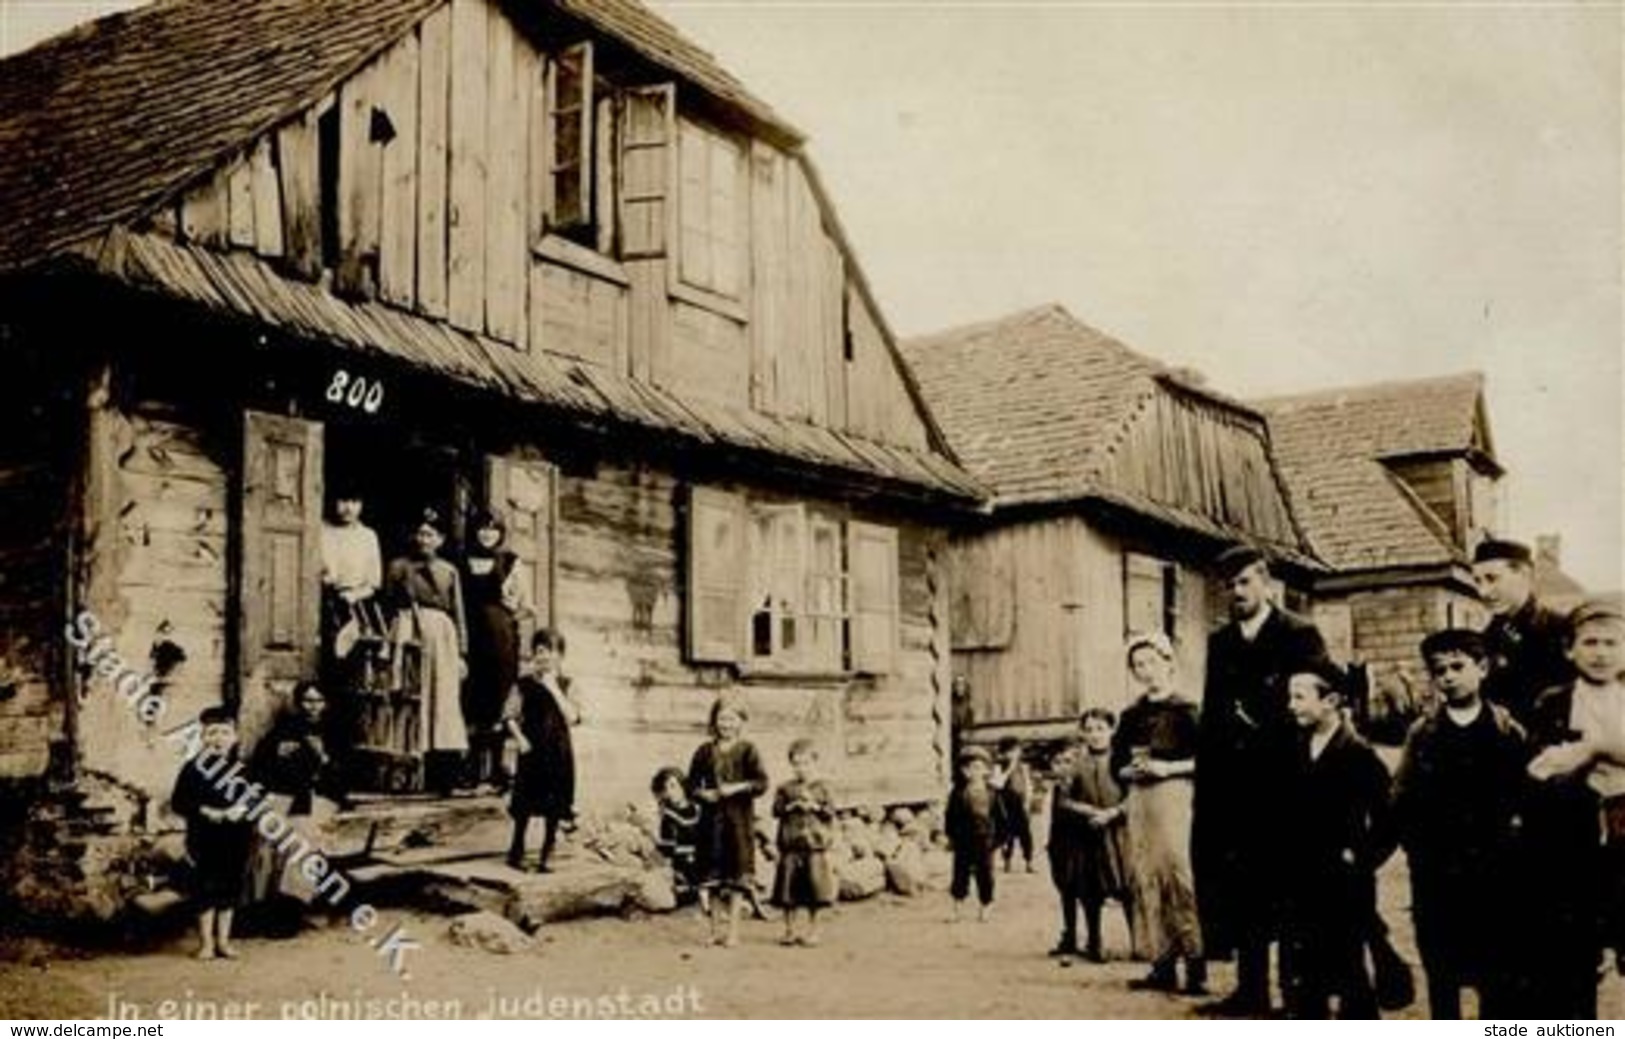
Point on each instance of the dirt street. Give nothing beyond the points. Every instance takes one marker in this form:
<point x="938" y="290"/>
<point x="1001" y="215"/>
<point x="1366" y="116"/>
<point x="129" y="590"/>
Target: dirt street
<point x="888" y="957"/>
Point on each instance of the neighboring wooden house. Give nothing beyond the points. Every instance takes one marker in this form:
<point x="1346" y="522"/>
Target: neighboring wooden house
<point x="546" y="255"/>
<point x="1393" y="484"/>
<point x="1115" y="482"/>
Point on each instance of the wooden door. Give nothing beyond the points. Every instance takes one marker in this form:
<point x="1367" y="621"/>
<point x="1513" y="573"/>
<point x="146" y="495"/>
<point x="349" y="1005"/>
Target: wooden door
<point x="280" y="576"/>
<point x="523" y="491"/>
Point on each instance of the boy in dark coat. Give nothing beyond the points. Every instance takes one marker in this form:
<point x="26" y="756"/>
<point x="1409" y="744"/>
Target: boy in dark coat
<point x="1341" y="833"/>
<point x="1245" y="751"/>
<point x="1457" y="807"/>
<point x="1574" y="808"/>
<point x="217" y="832"/>
<point x="973" y="822"/>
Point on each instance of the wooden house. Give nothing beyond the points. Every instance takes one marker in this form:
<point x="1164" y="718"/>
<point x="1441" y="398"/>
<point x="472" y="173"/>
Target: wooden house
<point x="544" y="255"/>
<point x="1394" y="484"/>
<point x="1115" y="481"/>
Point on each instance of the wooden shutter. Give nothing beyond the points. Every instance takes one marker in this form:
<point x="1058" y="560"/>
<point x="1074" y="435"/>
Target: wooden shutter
<point x="523" y="491"/>
<point x="872" y="551"/>
<point x="570" y="113"/>
<point x="716" y="576"/>
<point x="648" y="139"/>
<point x="1142" y="594"/>
<point x="281" y="553"/>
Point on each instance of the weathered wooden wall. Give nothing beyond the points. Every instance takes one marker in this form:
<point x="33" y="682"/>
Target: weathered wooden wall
<point x="1194" y="455"/>
<point x="1388" y="624"/>
<point x="158" y="572"/>
<point x="619" y="602"/>
<point x="442" y="189"/>
<point x="38" y="436"/>
<point x="1040" y="614"/>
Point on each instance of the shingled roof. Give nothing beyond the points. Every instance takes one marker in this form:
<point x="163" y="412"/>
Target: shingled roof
<point x="1037" y="404"/>
<point x="1331" y="445"/>
<point x="118" y="115"/>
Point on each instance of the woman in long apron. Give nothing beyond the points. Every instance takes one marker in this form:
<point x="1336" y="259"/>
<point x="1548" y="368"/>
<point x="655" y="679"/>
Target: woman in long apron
<point x="430" y="631"/>
<point x="1154" y="752"/>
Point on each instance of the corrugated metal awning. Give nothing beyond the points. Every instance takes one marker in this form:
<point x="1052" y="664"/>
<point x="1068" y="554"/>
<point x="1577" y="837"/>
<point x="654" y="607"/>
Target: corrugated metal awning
<point x="243" y="285"/>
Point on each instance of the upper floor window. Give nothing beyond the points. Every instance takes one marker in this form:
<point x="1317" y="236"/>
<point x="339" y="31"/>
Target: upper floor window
<point x="711" y="196"/>
<point x="570" y="133"/>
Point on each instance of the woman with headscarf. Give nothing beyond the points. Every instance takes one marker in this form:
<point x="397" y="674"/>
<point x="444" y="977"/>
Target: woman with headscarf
<point x="293" y="764"/>
<point x="431" y="643"/>
<point x="495" y="590"/>
<point x="1154" y="752"/>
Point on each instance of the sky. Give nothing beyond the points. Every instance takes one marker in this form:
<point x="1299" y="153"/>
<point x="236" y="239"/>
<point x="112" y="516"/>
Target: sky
<point x="1284" y="196"/>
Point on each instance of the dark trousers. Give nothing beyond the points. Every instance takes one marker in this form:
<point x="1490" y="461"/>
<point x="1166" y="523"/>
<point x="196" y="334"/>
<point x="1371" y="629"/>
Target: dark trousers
<point x="1253" y="972"/>
<point x="1326" y="962"/>
<point x="1091" y="920"/>
<point x="968" y="863"/>
<point x="1018" y="830"/>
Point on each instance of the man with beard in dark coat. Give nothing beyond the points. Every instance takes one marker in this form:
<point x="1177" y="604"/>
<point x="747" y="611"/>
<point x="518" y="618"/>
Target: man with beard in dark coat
<point x="1246" y="754"/>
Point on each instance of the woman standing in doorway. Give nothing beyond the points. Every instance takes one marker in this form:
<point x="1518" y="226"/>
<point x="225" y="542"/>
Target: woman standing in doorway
<point x="497" y="601"/>
<point x="431" y="639"/>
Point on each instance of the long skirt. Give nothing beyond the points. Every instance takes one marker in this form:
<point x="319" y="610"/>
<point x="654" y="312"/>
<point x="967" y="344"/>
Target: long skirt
<point x="433" y="635"/>
<point x="1159" y="831"/>
<point x="274" y="865"/>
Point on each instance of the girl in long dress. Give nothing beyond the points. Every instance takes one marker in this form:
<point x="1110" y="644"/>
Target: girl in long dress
<point x="727" y="776"/>
<point x="539" y="717"/>
<point x="1154" y="752"/>
<point x="427" y="595"/>
<point x="496" y="598"/>
<point x="1088" y="838"/>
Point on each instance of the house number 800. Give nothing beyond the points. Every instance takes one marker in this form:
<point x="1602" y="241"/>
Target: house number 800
<point x="356" y="392"/>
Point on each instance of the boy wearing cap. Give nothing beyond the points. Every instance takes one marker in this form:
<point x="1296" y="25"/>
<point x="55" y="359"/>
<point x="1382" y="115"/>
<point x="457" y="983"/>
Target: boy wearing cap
<point x="1342" y="832"/>
<point x="1574" y="824"/>
<point x="1525" y="640"/>
<point x="1457" y="810"/>
<point x="973" y="822"/>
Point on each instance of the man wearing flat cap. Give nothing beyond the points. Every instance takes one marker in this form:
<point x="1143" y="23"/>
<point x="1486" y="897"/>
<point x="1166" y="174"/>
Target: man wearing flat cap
<point x="1246" y="754"/>
<point x="1526" y="641"/>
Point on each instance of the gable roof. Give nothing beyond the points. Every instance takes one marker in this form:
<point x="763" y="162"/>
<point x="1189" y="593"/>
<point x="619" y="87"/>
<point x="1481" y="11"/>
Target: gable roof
<point x="1036" y="404"/>
<point x="1357" y="514"/>
<point x="120" y="114"/>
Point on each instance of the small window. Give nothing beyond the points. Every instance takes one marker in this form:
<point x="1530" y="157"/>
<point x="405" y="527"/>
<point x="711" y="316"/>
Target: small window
<point x="819" y="595"/>
<point x="1150" y="595"/>
<point x="711" y="209"/>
